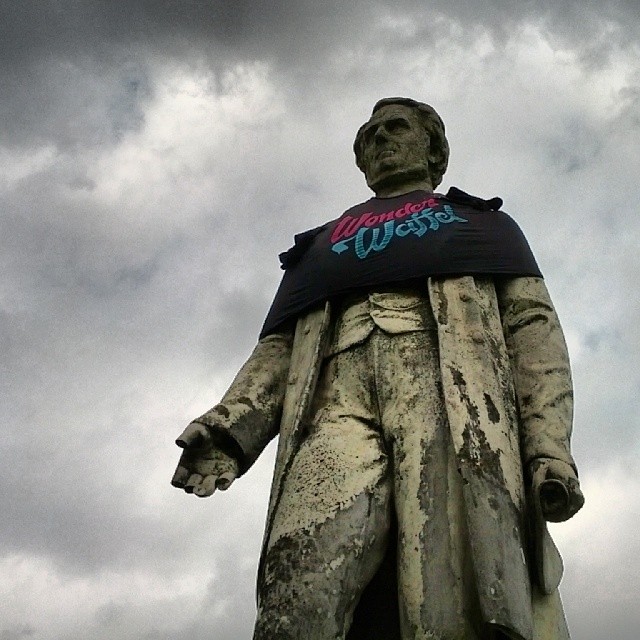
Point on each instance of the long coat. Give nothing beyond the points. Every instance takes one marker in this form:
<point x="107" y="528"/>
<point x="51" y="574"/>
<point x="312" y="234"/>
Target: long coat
<point x="508" y="396"/>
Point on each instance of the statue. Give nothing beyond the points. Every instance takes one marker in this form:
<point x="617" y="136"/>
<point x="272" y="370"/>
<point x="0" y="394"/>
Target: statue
<point x="415" y="370"/>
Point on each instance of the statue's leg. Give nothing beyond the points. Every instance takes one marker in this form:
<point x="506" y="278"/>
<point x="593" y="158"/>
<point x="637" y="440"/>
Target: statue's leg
<point x="329" y="534"/>
<point x="437" y="593"/>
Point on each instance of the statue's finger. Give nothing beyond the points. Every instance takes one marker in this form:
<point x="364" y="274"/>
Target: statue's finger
<point x="180" y="477"/>
<point x="195" y="480"/>
<point x="206" y="488"/>
<point x="225" y="480"/>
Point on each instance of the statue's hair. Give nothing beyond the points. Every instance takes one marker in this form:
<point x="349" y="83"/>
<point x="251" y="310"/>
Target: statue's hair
<point x="433" y="126"/>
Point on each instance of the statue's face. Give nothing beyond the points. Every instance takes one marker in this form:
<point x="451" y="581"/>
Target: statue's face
<point x="395" y="147"/>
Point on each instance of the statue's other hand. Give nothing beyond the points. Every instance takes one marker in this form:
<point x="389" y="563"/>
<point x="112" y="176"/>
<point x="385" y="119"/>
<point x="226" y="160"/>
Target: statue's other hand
<point x="560" y="494"/>
<point x="202" y="468"/>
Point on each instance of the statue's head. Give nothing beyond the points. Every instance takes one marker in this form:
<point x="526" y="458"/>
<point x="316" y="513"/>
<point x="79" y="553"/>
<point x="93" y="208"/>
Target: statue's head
<point x="403" y="141"/>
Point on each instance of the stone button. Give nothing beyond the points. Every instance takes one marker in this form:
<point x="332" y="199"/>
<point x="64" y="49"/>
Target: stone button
<point x="477" y="337"/>
<point x="465" y="297"/>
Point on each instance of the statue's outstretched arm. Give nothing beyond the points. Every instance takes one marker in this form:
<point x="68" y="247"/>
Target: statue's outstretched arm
<point x="226" y="440"/>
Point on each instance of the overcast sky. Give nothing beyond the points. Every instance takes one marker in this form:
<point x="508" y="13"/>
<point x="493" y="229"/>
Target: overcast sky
<point x="157" y="155"/>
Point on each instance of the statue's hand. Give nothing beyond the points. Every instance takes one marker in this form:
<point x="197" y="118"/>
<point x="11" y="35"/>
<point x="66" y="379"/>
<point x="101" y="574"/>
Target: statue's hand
<point x="202" y="468"/>
<point x="560" y="495"/>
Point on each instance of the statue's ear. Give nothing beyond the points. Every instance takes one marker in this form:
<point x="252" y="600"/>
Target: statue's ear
<point x="435" y="156"/>
<point x="434" y="159"/>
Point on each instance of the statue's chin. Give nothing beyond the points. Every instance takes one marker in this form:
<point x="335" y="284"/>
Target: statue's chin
<point x="396" y="178"/>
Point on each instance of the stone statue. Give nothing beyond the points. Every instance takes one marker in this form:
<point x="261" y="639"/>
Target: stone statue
<point x="416" y="372"/>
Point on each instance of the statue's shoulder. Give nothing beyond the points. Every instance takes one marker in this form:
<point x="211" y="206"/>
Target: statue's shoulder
<point x="458" y="196"/>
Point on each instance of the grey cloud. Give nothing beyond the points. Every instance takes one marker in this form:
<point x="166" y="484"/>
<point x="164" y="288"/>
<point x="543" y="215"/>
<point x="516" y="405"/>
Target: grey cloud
<point x="123" y="317"/>
<point x="16" y="633"/>
<point x="84" y="332"/>
<point x="105" y="102"/>
<point x="577" y="145"/>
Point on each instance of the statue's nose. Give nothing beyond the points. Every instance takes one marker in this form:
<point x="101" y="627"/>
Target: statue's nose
<point x="381" y="133"/>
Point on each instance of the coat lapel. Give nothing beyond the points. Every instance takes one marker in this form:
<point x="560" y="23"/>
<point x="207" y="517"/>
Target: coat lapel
<point x="476" y="384"/>
<point x="309" y="345"/>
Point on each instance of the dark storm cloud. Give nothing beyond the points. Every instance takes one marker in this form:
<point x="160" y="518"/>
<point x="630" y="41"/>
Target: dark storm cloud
<point x="48" y="29"/>
<point x="92" y="58"/>
<point x="34" y="29"/>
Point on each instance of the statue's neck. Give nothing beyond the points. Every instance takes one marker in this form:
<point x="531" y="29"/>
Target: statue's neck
<point x="399" y="189"/>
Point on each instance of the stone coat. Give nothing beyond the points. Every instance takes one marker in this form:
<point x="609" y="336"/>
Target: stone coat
<point x="508" y="396"/>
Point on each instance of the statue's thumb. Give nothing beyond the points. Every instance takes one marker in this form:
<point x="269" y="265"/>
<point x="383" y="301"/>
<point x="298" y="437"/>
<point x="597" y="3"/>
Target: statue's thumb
<point x="192" y="437"/>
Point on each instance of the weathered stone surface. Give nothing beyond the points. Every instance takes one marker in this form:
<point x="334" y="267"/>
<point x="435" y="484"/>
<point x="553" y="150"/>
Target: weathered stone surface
<point x="424" y="440"/>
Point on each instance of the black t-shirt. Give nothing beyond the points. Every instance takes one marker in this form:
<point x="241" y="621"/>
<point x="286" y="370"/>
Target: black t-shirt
<point x="393" y="240"/>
